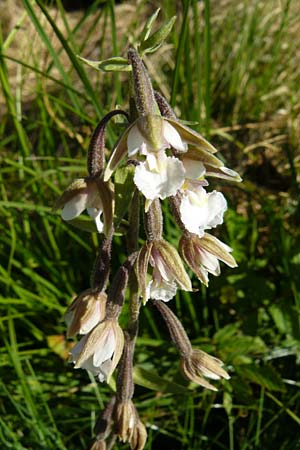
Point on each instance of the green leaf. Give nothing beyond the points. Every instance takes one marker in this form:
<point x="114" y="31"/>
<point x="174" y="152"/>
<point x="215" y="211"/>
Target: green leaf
<point x="124" y="188"/>
<point x="148" y="26"/>
<point x="114" y="64"/>
<point x="286" y="319"/>
<point x="156" y="39"/>
<point x="266" y="376"/>
<point x="151" y="380"/>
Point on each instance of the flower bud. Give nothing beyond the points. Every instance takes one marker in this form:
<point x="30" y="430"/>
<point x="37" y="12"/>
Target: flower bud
<point x="85" y="312"/>
<point x="198" y="364"/>
<point x="168" y="272"/>
<point x="202" y="255"/>
<point x="143" y="91"/>
<point x="98" y="445"/>
<point x="139" y="437"/>
<point x="91" y="194"/>
<point x="126" y="419"/>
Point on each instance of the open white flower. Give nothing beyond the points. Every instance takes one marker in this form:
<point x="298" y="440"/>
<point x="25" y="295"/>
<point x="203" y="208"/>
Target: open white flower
<point x="91" y="194"/>
<point x="100" y="350"/>
<point x="200" y="210"/>
<point x="160" y="176"/>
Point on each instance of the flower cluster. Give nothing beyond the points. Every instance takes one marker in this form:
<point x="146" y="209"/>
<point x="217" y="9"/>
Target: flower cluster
<point x="167" y="160"/>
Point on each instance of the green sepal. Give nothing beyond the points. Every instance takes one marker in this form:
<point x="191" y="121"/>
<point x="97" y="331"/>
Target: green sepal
<point x="114" y="64"/>
<point x="153" y="42"/>
<point x="124" y="188"/>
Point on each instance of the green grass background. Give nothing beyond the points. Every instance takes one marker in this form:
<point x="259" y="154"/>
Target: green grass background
<point x="233" y="67"/>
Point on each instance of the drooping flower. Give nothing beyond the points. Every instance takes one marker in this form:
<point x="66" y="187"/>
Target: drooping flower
<point x="168" y="272"/>
<point x="91" y="194"/>
<point x="198" y="364"/>
<point x="100" y="350"/>
<point x="85" y="312"/>
<point x="202" y="255"/>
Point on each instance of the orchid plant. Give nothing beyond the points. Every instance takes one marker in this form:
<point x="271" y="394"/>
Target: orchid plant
<point x="163" y="159"/>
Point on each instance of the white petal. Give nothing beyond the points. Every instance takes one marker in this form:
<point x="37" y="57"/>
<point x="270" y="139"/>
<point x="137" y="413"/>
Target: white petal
<point x="75" y="206"/>
<point x="105" y="349"/>
<point x="209" y="261"/>
<point x="160" y="184"/>
<point x="104" y="370"/>
<point x="164" y="291"/>
<point x="77" y="349"/>
<point x="96" y="215"/>
<point x="173" y="138"/>
<point x="200" y="211"/>
<point x="135" y="141"/>
<point x="193" y="169"/>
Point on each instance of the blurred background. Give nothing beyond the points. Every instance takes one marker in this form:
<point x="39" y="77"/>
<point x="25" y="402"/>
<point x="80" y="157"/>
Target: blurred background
<point x="234" y="68"/>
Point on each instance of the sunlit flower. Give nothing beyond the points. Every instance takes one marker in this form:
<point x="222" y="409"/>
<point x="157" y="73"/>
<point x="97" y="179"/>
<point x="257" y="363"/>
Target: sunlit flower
<point x="100" y="350"/>
<point x="202" y="255"/>
<point x="160" y="176"/>
<point x="85" y="312"/>
<point x="91" y="194"/>
<point x="200" y="210"/>
<point x="168" y="272"/>
<point x="198" y="364"/>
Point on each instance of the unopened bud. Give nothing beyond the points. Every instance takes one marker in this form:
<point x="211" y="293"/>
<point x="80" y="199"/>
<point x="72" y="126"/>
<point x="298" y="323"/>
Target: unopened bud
<point x="199" y="364"/>
<point x="85" y="312"/>
<point x="143" y="91"/>
<point x="139" y="437"/>
<point x="96" y="151"/>
<point x="154" y="221"/>
<point x="126" y="419"/>
<point x="202" y="255"/>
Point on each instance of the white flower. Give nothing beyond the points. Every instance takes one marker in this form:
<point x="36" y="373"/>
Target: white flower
<point x="151" y="134"/>
<point x="200" y="210"/>
<point x="91" y="194"/>
<point x="160" y="176"/>
<point x="100" y="350"/>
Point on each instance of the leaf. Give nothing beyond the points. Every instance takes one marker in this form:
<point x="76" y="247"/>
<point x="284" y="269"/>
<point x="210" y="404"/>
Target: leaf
<point x="151" y="380"/>
<point x="124" y="188"/>
<point x="286" y="319"/>
<point x="148" y="26"/>
<point x="156" y="39"/>
<point x="265" y="376"/>
<point x="114" y="64"/>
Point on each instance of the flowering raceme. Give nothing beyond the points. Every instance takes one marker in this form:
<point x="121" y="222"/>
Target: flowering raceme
<point x="162" y="160"/>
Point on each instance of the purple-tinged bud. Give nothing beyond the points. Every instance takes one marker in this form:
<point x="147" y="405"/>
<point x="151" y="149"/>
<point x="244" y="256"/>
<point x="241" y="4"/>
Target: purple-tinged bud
<point x="85" y="312"/>
<point x="154" y="221"/>
<point x="199" y="364"/>
<point x="195" y="364"/>
<point x="143" y="91"/>
<point x="164" y="107"/>
<point x="96" y="151"/>
<point x="202" y="255"/>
